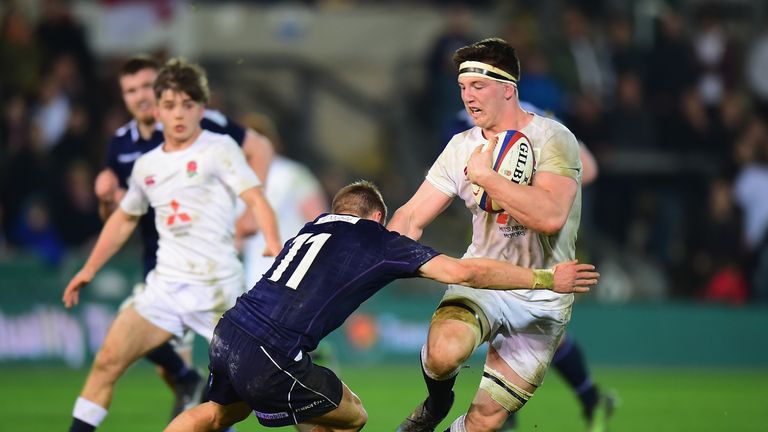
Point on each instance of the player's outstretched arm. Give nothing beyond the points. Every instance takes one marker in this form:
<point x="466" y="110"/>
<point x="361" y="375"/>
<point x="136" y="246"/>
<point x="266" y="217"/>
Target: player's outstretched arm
<point x="566" y="277"/>
<point x="265" y="217"/>
<point x="115" y="233"/>
<point x="410" y="219"/>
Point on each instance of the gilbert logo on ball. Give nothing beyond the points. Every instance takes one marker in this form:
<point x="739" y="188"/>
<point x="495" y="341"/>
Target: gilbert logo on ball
<point x="512" y="159"/>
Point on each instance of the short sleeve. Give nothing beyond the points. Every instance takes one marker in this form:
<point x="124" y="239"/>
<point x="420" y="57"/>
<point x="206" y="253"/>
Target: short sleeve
<point x="232" y="168"/>
<point x="407" y="254"/>
<point x="443" y="172"/>
<point x="135" y="201"/>
<point x="560" y="155"/>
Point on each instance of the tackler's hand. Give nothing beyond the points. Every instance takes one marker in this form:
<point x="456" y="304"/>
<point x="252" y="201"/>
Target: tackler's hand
<point x="572" y="277"/>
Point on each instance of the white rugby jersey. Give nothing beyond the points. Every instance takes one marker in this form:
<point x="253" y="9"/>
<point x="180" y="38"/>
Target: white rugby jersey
<point x="193" y="192"/>
<point x="498" y="235"/>
<point x="289" y="183"/>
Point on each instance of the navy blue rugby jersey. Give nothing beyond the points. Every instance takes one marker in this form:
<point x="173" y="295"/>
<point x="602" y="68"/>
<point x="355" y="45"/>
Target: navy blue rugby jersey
<point x="320" y="277"/>
<point x="127" y="145"/>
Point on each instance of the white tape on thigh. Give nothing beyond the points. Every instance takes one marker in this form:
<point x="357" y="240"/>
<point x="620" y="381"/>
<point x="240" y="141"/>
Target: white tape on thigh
<point x="506" y="394"/>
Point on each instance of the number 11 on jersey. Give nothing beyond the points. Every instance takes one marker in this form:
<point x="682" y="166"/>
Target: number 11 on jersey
<point x="317" y="241"/>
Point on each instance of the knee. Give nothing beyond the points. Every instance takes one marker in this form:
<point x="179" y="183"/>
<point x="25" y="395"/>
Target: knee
<point x="218" y="423"/>
<point x="444" y="358"/>
<point x="216" y="418"/>
<point x="108" y="362"/>
<point x="362" y="419"/>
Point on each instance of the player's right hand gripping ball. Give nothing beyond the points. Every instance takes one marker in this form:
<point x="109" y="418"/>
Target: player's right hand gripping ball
<point x="513" y="159"/>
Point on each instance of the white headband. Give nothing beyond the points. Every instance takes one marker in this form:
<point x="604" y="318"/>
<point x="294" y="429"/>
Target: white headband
<point x="484" y="70"/>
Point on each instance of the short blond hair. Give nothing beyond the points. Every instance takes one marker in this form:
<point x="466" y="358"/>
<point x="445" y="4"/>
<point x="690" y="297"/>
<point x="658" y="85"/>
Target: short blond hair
<point x="361" y="198"/>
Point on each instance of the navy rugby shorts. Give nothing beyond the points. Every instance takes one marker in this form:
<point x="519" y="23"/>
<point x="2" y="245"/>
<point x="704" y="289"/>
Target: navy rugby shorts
<point x="280" y="390"/>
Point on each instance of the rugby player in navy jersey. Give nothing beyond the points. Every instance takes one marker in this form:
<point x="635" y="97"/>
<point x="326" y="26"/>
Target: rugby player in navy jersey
<point x="258" y="355"/>
<point x="142" y="134"/>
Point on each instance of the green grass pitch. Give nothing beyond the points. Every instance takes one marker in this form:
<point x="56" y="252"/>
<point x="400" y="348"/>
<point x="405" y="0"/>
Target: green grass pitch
<point x="34" y="399"/>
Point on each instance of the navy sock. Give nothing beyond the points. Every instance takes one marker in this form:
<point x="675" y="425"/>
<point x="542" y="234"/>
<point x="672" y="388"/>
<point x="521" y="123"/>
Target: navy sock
<point x="570" y="362"/>
<point x="81" y="426"/>
<point x="440" y="394"/>
<point x="167" y="358"/>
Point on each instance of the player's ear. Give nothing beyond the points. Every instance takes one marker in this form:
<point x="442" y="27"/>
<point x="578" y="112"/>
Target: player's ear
<point x="377" y="216"/>
<point x="509" y="91"/>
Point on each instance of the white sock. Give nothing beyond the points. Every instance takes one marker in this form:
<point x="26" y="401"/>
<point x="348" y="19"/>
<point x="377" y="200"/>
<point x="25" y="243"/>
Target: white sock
<point x="89" y="412"/>
<point x="458" y="425"/>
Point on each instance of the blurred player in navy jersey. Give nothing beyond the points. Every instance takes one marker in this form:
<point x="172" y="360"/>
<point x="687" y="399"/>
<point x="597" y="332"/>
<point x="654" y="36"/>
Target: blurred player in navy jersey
<point x="258" y="356"/>
<point x="192" y="181"/>
<point x="142" y="134"/>
<point x="568" y="360"/>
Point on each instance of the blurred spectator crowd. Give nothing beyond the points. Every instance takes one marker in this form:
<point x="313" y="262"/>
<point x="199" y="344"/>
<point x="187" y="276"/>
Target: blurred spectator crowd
<point x="677" y="118"/>
<point x="50" y="144"/>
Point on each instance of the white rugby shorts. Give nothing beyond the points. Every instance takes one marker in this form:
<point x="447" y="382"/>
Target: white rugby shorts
<point x="176" y="307"/>
<point x="179" y="345"/>
<point x="524" y="333"/>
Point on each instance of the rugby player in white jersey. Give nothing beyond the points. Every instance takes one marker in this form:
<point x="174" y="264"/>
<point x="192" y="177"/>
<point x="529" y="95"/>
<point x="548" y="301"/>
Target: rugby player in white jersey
<point x="191" y="181"/>
<point x="294" y="193"/>
<point x="537" y="229"/>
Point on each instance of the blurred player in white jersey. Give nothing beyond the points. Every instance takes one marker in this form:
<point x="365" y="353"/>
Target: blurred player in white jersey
<point x="191" y="181"/>
<point x="142" y="134"/>
<point x="297" y="198"/>
<point x="293" y="192"/>
<point x="537" y="229"/>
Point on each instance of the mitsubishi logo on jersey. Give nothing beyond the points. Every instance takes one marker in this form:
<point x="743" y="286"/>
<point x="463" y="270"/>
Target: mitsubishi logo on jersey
<point x="183" y="217"/>
<point x="507" y="229"/>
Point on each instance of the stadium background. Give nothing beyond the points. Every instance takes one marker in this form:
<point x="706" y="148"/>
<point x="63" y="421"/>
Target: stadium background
<point x="671" y="97"/>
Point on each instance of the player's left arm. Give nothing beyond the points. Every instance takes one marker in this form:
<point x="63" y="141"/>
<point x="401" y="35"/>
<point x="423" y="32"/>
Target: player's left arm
<point x="232" y="168"/>
<point x="259" y="151"/>
<point x="566" y="277"/>
<point x="265" y="217"/>
<point x="544" y="206"/>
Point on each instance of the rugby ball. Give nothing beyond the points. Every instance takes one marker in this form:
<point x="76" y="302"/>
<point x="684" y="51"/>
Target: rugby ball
<point x="513" y="159"/>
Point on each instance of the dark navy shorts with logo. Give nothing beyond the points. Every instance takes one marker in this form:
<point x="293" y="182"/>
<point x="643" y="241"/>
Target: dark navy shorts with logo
<point x="280" y="390"/>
